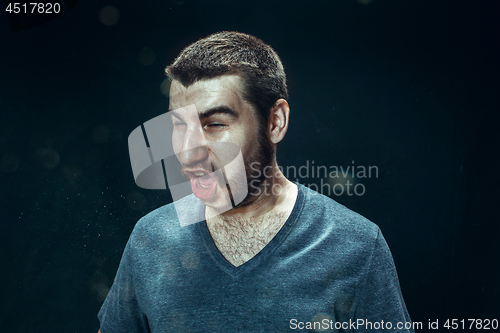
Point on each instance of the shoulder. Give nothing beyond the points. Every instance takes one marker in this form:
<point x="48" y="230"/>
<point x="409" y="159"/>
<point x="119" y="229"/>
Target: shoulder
<point x="162" y="226"/>
<point x="333" y="219"/>
<point x="331" y="238"/>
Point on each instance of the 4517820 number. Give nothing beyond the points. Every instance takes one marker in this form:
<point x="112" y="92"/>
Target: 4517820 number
<point x="479" y="324"/>
<point x="33" y="8"/>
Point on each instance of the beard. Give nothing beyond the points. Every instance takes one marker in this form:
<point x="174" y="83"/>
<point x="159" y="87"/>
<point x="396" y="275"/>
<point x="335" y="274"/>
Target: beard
<point x="262" y="156"/>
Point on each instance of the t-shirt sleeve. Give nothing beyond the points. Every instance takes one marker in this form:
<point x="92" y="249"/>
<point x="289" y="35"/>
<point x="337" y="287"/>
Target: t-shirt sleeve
<point x="380" y="298"/>
<point x="121" y="311"/>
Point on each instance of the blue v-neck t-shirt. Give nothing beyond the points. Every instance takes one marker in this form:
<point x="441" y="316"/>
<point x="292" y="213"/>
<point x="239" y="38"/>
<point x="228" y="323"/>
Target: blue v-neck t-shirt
<point x="328" y="269"/>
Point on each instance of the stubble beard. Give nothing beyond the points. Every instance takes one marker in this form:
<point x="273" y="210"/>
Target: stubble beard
<point x="259" y="158"/>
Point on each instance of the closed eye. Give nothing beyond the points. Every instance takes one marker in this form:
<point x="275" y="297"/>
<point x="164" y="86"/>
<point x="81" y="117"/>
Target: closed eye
<point x="215" y="127"/>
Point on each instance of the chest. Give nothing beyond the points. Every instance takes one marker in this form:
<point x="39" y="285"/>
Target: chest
<point x="240" y="240"/>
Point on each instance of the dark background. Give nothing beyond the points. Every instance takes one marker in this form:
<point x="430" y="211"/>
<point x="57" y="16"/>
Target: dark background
<point x="410" y="86"/>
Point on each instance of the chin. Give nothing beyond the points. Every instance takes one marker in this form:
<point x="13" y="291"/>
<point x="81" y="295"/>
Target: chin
<point x="218" y="203"/>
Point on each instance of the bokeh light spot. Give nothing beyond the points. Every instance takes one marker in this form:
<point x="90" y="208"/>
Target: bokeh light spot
<point x="102" y="291"/>
<point x="177" y="317"/>
<point x="190" y="260"/>
<point x="147" y="56"/>
<point x="319" y="319"/>
<point x="365" y="2"/>
<point x="9" y="163"/>
<point x="99" y="284"/>
<point x="49" y="157"/>
<point x="109" y="15"/>
<point x="269" y="292"/>
<point x="165" y="87"/>
<point x="127" y="291"/>
<point x="342" y="179"/>
<point x="100" y="134"/>
<point x="343" y="304"/>
<point x="168" y="270"/>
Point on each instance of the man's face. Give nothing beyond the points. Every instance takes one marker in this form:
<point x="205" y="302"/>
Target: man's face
<point x="203" y="136"/>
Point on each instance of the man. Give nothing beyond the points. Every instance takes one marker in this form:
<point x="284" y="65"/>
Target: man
<point x="283" y="258"/>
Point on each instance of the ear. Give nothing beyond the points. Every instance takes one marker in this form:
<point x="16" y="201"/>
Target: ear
<point x="278" y="120"/>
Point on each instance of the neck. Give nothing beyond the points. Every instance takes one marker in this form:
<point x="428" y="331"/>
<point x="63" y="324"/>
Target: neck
<point x="241" y="233"/>
<point x="272" y="193"/>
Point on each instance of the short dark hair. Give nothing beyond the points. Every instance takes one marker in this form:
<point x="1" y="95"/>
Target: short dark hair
<point x="230" y="52"/>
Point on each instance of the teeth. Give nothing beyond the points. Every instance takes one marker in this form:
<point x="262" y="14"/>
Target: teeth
<point x="204" y="186"/>
<point x="199" y="173"/>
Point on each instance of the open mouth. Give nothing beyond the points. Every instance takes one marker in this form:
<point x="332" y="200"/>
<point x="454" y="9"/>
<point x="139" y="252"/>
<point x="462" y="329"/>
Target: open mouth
<point x="203" y="184"/>
<point x="203" y="178"/>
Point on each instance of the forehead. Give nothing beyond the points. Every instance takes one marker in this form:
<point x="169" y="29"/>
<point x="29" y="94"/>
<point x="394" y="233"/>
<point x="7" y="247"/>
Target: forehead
<point x="225" y="90"/>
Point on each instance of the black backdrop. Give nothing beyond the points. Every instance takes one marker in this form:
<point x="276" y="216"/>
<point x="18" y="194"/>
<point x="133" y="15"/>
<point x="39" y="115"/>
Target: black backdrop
<point x="409" y="86"/>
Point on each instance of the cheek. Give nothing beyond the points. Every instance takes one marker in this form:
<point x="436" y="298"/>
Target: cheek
<point x="247" y="139"/>
<point x="176" y="143"/>
<point x="250" y="145"/>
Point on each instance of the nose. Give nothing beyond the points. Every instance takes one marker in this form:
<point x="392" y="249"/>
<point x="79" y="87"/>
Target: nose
<point x="193" y="146"/>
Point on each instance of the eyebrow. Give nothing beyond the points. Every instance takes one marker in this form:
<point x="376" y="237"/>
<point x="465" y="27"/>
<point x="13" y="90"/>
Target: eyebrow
<point x="210" y="112"/>
<point x="218" y="110"/>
